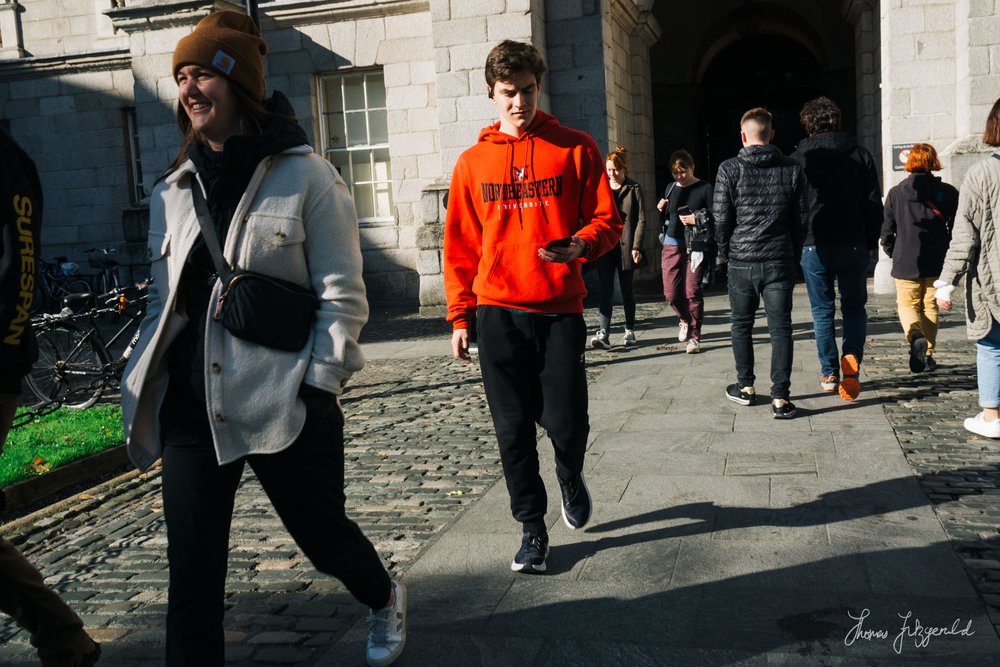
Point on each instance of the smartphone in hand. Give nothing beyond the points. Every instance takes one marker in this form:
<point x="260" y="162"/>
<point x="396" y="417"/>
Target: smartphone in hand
<point x="559" y="243"/>
<point x="684" y="210"/>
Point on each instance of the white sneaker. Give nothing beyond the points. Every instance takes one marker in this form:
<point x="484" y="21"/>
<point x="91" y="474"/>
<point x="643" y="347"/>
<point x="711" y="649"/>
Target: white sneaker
<point x="600" y="340"/>
<point x="629" y="338"/>
<point x="694" y="347"/>
<point x="682" y="332"/>
<point x="387" y="630"/>
<point x="980" y="426"/>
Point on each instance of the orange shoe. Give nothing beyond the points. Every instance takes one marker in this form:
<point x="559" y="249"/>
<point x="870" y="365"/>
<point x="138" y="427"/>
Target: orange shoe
<point x="849" y="386"/>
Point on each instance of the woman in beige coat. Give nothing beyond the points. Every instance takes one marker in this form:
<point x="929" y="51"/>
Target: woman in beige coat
<point x="974" y="253"/>
<point x="208" y="402"/>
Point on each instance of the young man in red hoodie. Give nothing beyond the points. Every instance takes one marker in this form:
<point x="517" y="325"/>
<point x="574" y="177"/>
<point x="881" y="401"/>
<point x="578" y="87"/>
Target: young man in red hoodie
<point x="528" y="204"/>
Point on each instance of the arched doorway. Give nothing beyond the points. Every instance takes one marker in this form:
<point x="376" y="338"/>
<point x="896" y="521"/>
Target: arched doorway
<point x="765" y="70"/>
<point x="716" y="60"/>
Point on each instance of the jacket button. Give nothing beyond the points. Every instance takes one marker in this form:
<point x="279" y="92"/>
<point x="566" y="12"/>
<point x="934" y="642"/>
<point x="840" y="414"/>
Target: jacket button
<point x="216" y="368"/>
<point x="280" y="236"/>
<point x="219" y="417"/>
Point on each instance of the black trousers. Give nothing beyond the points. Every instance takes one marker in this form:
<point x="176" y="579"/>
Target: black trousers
<point x="305" y="483"/>
<point x="533" y="372"/>
<point x="608" y="265"/>
<point x="774" y="281"/>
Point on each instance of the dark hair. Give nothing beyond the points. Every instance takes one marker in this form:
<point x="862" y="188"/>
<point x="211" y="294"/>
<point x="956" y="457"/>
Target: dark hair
<point x="762" y="117"/>
<point x="254" y="117"/>
<point x="681" y="157"/>
<point x="991" y="137"/>
<point x="924" y="158"/>
<point x="820" y="115"/>
<point x="509" y="58"/>
<point x="620" y="157"/>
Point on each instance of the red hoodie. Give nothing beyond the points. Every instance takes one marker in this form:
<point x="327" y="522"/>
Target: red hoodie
<point x="509" y="197"/>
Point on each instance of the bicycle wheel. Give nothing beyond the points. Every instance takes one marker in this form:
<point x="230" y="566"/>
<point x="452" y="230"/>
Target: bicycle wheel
<point x="69" y="367"/>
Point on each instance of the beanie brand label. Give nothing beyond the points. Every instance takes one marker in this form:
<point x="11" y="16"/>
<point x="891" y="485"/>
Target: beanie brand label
<point x="223" y="62"/>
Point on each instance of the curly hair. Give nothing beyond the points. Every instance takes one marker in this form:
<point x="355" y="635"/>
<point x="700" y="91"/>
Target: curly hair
<point x="619" y="156"/>
<point x="509" y="58"/>
<point x="923" y="158"/>
<point x="820" y="115"/>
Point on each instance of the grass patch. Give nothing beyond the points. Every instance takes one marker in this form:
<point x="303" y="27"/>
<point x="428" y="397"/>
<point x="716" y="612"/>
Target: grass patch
<point x="59" y="438"/>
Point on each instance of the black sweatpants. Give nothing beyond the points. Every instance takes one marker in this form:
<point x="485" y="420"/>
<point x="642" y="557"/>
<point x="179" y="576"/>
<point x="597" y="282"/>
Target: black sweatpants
<point x="305" y="483"/>
<point x="533" y="371"/>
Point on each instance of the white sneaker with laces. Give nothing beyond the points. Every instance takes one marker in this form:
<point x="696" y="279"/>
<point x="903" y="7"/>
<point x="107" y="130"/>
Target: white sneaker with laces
<point x="980" y="426"/>
<point x="693" y="347"/>
<point x="682" y="332"/>
<point x="387" y="630"/>
<point x="600" y="340"/>
<point x="629" y="338"/>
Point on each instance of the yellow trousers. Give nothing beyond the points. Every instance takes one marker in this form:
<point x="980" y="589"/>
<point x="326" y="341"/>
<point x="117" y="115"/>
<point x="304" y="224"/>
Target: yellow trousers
<point x="918" y="311"/>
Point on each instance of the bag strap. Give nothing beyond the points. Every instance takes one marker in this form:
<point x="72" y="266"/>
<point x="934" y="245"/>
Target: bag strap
<point x="208" y="231"/>
<point x="936" y="210"/>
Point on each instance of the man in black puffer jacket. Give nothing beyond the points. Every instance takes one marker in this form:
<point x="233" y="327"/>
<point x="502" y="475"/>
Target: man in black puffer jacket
<point x="759" y="210"/>
<point x="845" y="217"/>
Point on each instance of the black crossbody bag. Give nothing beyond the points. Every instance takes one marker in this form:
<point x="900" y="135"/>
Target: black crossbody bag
<point x="253" y="306"/>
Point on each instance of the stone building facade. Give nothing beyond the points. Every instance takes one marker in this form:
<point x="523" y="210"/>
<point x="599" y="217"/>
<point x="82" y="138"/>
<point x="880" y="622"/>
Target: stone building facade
<point x="392" y="91"/>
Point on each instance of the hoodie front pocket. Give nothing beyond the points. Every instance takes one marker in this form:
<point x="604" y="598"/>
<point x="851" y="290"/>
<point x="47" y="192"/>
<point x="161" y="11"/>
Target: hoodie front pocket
<point x="517" y="275"/>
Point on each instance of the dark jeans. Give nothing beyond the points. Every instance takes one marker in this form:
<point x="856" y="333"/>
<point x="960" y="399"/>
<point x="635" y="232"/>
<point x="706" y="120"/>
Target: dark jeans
<point x="305" y="483"/>
<point x="533" y="372"/>
<point x="609" y="264"/>
<point x="748" y="281"/>
<point x="682" y="287"/>
<point x="847" y="263"/>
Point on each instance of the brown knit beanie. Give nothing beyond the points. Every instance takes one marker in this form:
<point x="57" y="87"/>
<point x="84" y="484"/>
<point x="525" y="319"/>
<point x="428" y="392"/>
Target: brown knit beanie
<point x="229" y="43"/>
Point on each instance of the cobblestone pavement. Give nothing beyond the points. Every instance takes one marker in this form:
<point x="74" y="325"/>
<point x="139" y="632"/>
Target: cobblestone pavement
<point x="419" y="449"/>
<point x="959" y="471"/>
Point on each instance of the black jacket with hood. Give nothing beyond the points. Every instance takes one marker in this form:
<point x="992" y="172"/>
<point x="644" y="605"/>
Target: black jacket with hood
<point x="759" y="206"/>
<point x="914" y="234"/>
<point x="842" y="189"/>
<point x="20" y="230"/>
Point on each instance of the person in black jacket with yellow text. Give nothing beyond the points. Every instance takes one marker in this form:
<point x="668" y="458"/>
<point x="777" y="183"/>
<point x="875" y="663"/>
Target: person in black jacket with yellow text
<point x="844" y="218"/>
<point x="759" y="215"/>
<point x="55" y="630"/>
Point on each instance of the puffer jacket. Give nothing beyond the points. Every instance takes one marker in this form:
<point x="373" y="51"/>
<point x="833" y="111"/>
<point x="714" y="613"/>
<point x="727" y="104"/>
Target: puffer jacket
<point x="633" y="215"/>
<point x="843" y="195"/>
<point x="974" y="251"/>
<point x="296" y="221"/>
<point x="759" y="206"/>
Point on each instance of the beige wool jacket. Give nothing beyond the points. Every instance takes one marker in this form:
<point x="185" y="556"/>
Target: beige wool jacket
<point x="295" y="221"/>
<point x="974" y="251"/>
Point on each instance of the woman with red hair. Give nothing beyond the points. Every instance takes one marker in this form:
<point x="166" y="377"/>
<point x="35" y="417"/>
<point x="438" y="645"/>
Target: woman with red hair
<point x="919" y="215"/>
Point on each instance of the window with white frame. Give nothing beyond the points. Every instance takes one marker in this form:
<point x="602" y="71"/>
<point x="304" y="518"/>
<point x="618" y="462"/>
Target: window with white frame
<point x="354" y="131"/>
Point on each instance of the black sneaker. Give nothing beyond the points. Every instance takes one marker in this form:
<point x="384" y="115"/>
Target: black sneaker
<point x="740" y="395"/>
<point x="930" y="365"/>
<point x="918" y="354"/>
<point x="531" y="556"/>
<point x="782" y="409"/>
<point x="576" y="505"/>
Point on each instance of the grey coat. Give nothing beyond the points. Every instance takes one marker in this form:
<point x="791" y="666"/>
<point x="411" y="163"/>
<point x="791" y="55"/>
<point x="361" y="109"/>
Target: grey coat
<point x="633" y="221"/>
<point x="974" y="247"/>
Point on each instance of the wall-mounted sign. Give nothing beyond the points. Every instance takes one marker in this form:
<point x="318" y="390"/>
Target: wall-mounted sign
<point x="900" y="153"/>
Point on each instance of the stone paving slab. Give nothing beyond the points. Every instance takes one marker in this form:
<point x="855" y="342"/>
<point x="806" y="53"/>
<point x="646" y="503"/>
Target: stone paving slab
<point x="683" y="565"/>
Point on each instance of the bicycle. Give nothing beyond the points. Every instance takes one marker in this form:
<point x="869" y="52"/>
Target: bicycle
<point x="74" y="364"/>
<point x="56" y="281"/>
<point x="107" y="279"/>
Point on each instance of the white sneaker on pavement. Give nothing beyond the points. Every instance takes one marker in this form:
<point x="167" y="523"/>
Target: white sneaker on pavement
<point x="682" y="332"/>
<point x="980" y="426"/>
<point x="629" y="339"/>
<point x="387" y="630"/>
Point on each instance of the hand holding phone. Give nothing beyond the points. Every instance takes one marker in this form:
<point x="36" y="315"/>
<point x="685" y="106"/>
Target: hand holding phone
<point x="559" y="243"/>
